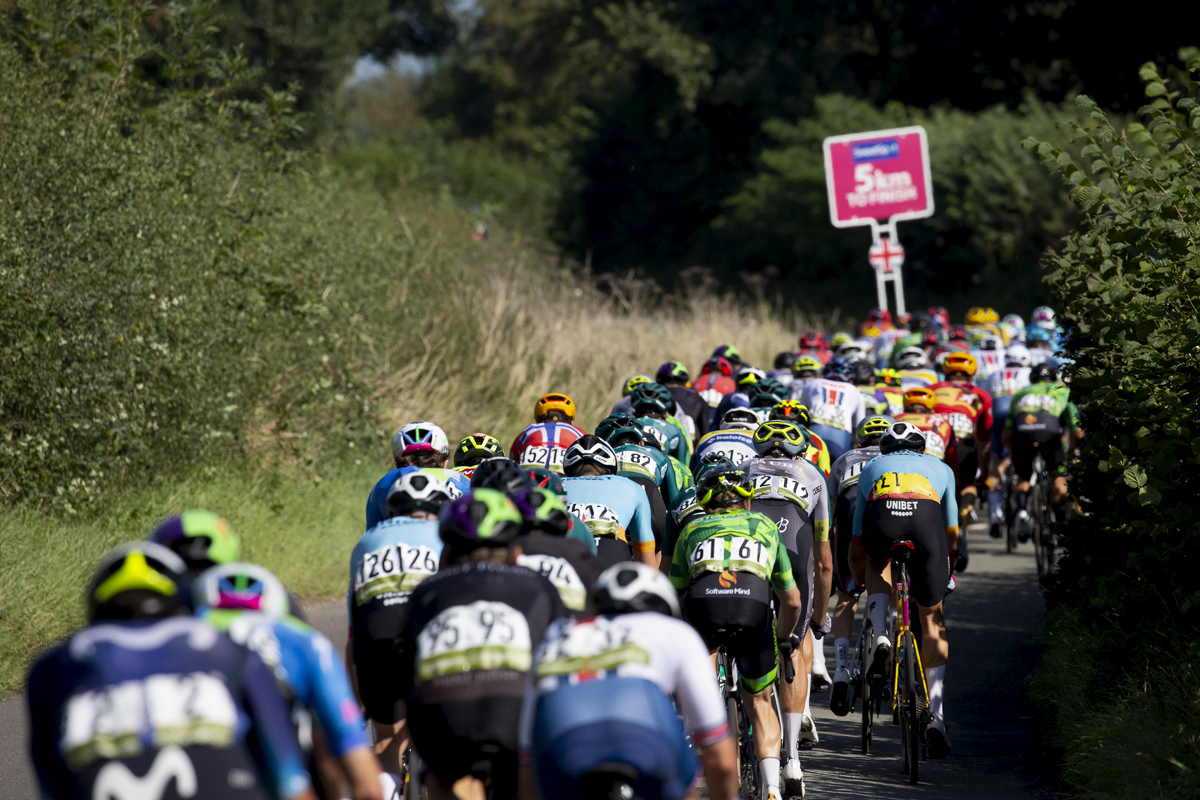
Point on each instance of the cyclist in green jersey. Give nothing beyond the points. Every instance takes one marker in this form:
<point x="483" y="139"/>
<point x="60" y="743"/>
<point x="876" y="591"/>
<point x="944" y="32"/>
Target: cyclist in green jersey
<point x="1039" y="417"/>
<point x="653" y="404"/>
<point x="725" y="566"/>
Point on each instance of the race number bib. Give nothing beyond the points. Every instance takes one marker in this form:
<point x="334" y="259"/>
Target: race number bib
<point x="963" y="425"/>
<point x="482" y="635"/>
<point x="590" y="647"/>
<point x="560" y="573"/>
<point x="540" y="455"/>
<point x="600" y="519"/>
<point x="779" y="487"/>
<point x="181" y="710"/>
<point x="637" y="463"/>
<point x="831" y="416"/>
<point x="395" y="568"/>
<point x="934" y="445"/>
<point x="735" y="452"/>
<point x="744" y="554"/>
<point x="851" y="475"/>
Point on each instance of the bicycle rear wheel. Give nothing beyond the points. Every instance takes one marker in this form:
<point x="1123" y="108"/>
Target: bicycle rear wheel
<point x="864" y="686"/>
<point x="910" y="712"/>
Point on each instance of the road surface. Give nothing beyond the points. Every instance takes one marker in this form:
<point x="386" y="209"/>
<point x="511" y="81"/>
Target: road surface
<point x="993" y="620"/>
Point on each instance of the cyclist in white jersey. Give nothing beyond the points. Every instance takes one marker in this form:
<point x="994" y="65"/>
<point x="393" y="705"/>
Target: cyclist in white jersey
<point x="835" y="407"/>
<point x="1002" y="385"/>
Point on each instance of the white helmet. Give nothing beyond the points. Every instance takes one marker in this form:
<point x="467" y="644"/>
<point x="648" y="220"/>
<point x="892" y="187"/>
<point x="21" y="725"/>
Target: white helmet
<point x="1043" y="317"/>
<point x="912" y="358"/>
<point x="743" y="419"/>
<point x="631" y="587"/>
<point x="852" y="351"/>
<point x="417" y="491"/>
<point x="1017" y="355"/>
<point x="241" y="586"/>
<point x="591" y="449"/>
<point x="902" y="436"/>
<point x="990" y="341"/>
<point x="416" y="437"/>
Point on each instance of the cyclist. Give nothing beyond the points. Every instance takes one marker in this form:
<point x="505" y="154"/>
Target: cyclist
<point x="543" y="443"/>
<point x="940" y="315"/>
<point x="715" y="381"/>
<point x="726" y="565"/>
<point x="473" y="450"/>
<point x="674" y="376"/>
<point x="1017" y="324"/>
<point x="614" y="508"/>
<point x="912" y="368"/>
<point x="143" y="696"/>
<point x="600" y="695"/>
<point x="906" y="495"/>
<point x="653" y="404"/>
<point x="835" y="406"/>
<point x="813" y="344"/>
<point x="250" y="604"/>
<point x="818" y="451"/>
<point x="1001" y="386"/>
<point x="468" y="646"/>
<point x="1040" y="416"/>
<point x="968" y="409"/>
<point x="989" y="355"/>
<point x="545" y="548"/>
<point x="640" y="457"/>
<point x="783" y="367"/>
<point x="416" y="446"/>
<point x="687" y="508"/>
<point x="804" y="370"/>
<point x="792" y="493"/>
<point x="386" y="564"/>
<point x="747" y="377"/>
<point x="1040" y="343"/>
<point x="201" y="538"/>
<point x="734" y="444"/>
<point x="862" y="375"/>
<point x="843" y="481"/>
<point x="1043" y="317"/>
<point x="920" y="409"/>
<point x="552" y="482"/>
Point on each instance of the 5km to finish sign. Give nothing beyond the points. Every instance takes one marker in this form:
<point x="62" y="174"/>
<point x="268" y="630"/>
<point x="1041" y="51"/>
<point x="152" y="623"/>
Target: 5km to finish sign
<point x="879" y="178"/>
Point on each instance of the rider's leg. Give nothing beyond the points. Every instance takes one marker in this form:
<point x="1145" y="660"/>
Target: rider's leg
<point x="391" y="742"/>
<point x="793" y="697"/>
<point x="467" y="787"/>
<point x="879" y="594"/>
<point x="767" y="735"/>
<point x="843" y="629"/>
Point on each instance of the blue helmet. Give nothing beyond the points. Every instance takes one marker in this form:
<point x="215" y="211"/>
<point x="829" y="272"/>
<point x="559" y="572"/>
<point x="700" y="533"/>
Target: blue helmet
<point x="1036" y="334"/>
<point x="838" y="370"/>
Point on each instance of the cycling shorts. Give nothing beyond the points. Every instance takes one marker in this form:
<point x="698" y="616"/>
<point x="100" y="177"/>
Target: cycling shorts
<point x="968" y="465"/>
<point x="742" y="623"/>
<point x="459" y="738"/>
<point x="786" y="516"/>
<point x="922" y="522"/>
<point x="840" y="540"/>
<point x="382" y="674"/>
<point x="610" y="551"/>
<point x="1025" y="446"/>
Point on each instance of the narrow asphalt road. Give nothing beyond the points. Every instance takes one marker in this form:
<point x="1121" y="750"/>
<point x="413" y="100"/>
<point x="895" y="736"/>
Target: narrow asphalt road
<point x="993" y="620"/>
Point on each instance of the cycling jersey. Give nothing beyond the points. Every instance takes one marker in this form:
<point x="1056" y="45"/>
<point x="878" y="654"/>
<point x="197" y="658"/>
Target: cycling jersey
<point x="737" y="446"/>
<point x="634" y="461"/>
<point x="907" y="495"/>
<point x="694" y="407"/>
<point x="968" y="409"/>
<point x="915" y="377"/>
<point x="469" y="641"/>
<point x="123" y="709"/>
<point x="794" y="495"/>
<point x="940" y="441"/>
<point x="543" y="444"/>
<point x="616" y="511"/>
<point x="818" y="453"/>
<point x="377" y="500"/>
<point x="387" y="563"/>
<point x="566" y="563"/>
<point x="308" y="668"/>
<point x="1002" y="385"/>
<point x="843" y="482"/>
<point x="674" y="441"/>
<point x="600" y="691"/>
<point x="987" y="361"/>
<point x="684" y="511"/>
<point x="1039" y="415"/>
<point x="712" y="386"/>
<point x="836" y="408"/>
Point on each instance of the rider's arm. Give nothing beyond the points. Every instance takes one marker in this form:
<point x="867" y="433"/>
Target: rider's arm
<point x="822" y="555"/>
<point x="272" y="739"/>
<point x="950" y="516"/>
<point x="641" y="530"/>
<point x="784" y="584"/>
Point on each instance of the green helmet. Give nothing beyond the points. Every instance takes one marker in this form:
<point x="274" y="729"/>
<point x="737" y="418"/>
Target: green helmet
<point x="652" y="398"/>
<point x="201" y="538"/>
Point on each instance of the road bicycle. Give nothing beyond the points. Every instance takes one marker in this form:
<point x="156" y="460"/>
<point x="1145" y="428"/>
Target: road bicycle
<point x="738" y="718"/>
<point x="1040" y="515"/>
<point x="910" y="695"/>
<point x="864" y="688"/>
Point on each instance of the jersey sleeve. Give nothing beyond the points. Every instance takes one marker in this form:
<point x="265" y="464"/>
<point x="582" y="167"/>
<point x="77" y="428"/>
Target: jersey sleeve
<point x="272" y="739"/>
<point x="678" y="573"/>
<point x="695" y="686"/>
<point x="332" y="699"/>
<point x="44" y="716"/>
<point x="822" y="512"/>
<point x="641" y="527"/>
<point x="1070" y="416"/>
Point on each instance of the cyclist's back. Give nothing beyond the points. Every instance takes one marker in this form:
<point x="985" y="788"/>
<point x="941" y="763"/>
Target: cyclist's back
<point x="836" y="408"/>
<point x="616" y="511"/>
<point x="542" y="444"/>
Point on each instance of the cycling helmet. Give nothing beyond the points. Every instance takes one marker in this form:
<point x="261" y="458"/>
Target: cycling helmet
<point x="672" y="371"/>
<point x="417" y="491"/>
<point x="729" y="353"/>
<point x="976" y="316"/>
<point x="1017" y="325"/>
<point x="507" y="478"/>
<point x="862" y="373"/>
<point x="476" y="448"/>
<point x="631" y="588"/>
<point x="792" y="410"/>
<point x="933" y="337"/>
<point x="200" y="538"/>
<point x="590" y="449"/>
<point x="920" y="396"/>
<point x="741" y="419"/>
<point x="710" y="461"/>
<point x="487" y="467"/>
<point x="871" y="429"/>
<point x="839" y="339"/>
<point x="543" y="511"/>
<point x="633" y="383"/>
<point x="652" y="398"/>
<point x="137" y="580"/>
<point x="420" y="437"/>
<point x="912" y="358"/>
<point x="781" y="435"/>
<point x="940" y="315"/>
<point x="1043" y="317"/>
<point x="852" y="351"/>
<point x="243" y="587"/>
<point x="555" y="402"/>
<point x="880" y="315"/>
<point x="718" y="365"/>
<point x="1017" y="355"/>
<point x="1043" y="373"/>
<point x="481" y="518"/>
<point x="902" y="436"/>
<point x="813" y="341"/>
<point x="547" y="479"/>
<point x="959" y="362"/>
<point x="785" y="360"/>
<point x="806" y="364"/>
<point x="610" y="423"/>
<point x="718" y="481"/>
<point x="1036" y="335"/>
<point x="958" y="333"/>
<point x="837" y="370"/>
<point x="989" y="342"/>
<point x="633" y="432"/>
<point x="749" y="375"/>
<point x="764" y="396"/>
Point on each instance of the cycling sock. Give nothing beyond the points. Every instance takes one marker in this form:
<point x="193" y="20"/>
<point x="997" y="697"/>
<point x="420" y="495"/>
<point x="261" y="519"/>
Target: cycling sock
<point x="807" y="707"/>
<point x="935" y="679"/>
<point x="996" y="503"/>
<point x="768" y="775"/>
<point x="791" y="733"/>
<point x="818" y="659"/>
<point x="877" y="605"/>
<point x="841" y="652"/>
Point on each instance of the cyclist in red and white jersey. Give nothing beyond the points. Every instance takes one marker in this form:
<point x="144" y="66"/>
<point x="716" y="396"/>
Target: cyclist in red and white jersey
<point x="543" y="443"/>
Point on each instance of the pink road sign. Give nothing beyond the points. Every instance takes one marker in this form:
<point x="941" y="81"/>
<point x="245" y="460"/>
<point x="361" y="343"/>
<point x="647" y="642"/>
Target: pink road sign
<point x="879" y="175"/>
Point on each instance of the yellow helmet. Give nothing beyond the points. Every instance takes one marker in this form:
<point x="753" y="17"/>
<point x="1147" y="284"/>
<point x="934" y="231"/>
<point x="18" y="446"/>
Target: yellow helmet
<point x="920" y="396"/>
<point x="960" y="362"/>
<point x="555" y="402"/>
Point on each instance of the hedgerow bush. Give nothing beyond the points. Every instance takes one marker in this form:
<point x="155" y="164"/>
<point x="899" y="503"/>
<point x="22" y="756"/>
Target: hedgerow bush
<point x="1120" y="680"/>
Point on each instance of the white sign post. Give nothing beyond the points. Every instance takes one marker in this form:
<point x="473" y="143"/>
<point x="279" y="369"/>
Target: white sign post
<point x="880" y="178"/>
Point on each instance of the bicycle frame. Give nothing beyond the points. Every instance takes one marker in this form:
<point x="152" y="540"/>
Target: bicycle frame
<point x="903" y="625"/>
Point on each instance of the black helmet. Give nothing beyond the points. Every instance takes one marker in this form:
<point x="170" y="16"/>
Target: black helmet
<point x="487" y="467"/>
<point x="507" y="478"/>
<point x="902" y="436"/>
<point x="785" y="360"/>
<point x="862" y="373"/>
<point x="1043" y="373"/>
<point x="631" y="587"/>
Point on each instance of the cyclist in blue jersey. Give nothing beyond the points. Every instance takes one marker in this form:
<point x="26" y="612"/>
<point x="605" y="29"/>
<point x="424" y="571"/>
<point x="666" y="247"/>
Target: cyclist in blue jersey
<point x="142" y="699"/>
<point x="386" y="565"/>
<point x="416" y="446"/>
<point x="835" y="407"/>
<point x="907" y="495"/>
<point x="614" y="508"/>
<point x="250" y="604"/>
<point x="598" y="708"/>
